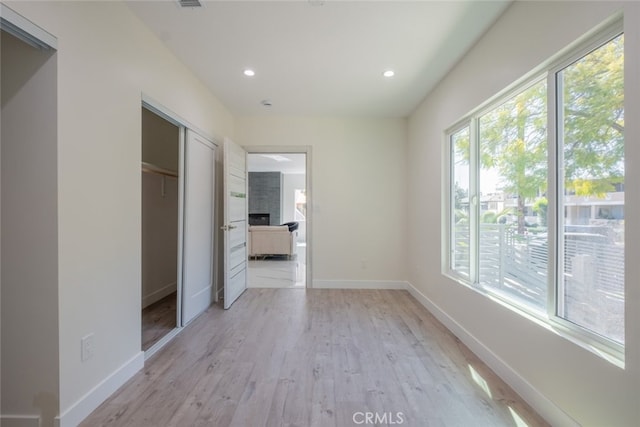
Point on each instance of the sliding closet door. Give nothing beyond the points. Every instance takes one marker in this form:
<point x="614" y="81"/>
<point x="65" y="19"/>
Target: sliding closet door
<point x="198" y="234"/>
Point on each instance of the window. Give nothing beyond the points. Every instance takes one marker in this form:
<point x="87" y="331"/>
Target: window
<point x="536" y="200"/>
<point x="591" y="148"/>
<point x="512" y="144"/>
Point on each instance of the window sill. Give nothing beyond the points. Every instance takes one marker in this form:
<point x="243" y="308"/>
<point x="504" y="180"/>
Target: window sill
<point x="560" y="327"/>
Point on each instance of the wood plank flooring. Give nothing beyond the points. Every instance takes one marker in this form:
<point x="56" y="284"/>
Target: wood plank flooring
<point x="295" y="357"/>
<point x="158" y="319"/>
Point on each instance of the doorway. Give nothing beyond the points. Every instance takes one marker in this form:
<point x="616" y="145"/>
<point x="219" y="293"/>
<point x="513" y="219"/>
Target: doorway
<point x="29" y="254"/>
<point x="278" y="215"/>
<point x="179" y="217"/>
<point x="160" y="220"/>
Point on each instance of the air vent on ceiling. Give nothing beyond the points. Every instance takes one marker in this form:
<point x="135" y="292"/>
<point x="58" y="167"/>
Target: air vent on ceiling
<point x="190" y="3"/>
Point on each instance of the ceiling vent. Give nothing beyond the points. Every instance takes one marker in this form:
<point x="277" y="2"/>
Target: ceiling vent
<point x="190" y="3"/>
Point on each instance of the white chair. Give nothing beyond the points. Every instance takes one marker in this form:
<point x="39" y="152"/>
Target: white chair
<point x="271" y="240"/>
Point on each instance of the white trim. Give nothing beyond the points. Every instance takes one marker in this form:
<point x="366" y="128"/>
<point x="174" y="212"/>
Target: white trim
<point x="474" y="201"/>
<point x="538" y="401"/>
<point x="360" y="284"/>
<point x="593" y="40"/>
<point x="446" y="230"/>
<point x="173" y="118"/>
<point x="22" y="28"/>
<point x="155" y="296"/>
<point x="90" y="401"/>
<point x="182" y="136"/>
<point x="20" y="420"/>
<point x="554" y="265"/>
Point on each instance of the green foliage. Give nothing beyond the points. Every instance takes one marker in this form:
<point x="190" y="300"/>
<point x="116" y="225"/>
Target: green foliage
<point x="540" y="207"/>
<point x="489" y="217"/>
<point x="461" y="144"/>
<point x="513" y="142"/>
<point x="594" y="120"/>
<point x="513" y="136"/>
<point x="461" y="216"/>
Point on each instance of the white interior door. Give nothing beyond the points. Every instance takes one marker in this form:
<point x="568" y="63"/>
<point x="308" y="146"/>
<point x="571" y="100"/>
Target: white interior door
<point x="235" y="222"/>
<point x="198" y="235"/>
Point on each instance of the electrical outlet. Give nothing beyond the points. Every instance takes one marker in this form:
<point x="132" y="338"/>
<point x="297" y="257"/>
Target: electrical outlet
<point x="86" y="347"/>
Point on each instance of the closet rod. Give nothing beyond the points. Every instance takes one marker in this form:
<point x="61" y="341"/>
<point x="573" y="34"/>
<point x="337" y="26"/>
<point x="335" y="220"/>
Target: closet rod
<point x="148" y="167"/>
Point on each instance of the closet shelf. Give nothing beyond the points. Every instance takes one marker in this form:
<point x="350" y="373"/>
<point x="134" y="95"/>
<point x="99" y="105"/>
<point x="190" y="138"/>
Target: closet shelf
<point x="151" y="168"/>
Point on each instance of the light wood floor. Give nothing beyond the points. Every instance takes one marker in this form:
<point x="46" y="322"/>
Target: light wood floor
<point x="295" y="357"/>
<point x="158" y="320"/>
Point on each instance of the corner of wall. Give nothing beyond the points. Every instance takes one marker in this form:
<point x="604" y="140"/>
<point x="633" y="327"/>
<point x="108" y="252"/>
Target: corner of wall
<point x="73" y="415"/>
<point x="360" y="284"/>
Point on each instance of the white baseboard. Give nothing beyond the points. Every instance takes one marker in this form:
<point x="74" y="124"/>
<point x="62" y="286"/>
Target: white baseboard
<point x="90" y="401"/>
<point x="359" y="284"/>
<point x="19" y="420"/>
<point x="154" y="296"/>
<point x="545" y="407"/>
<point x="538" y="401"/>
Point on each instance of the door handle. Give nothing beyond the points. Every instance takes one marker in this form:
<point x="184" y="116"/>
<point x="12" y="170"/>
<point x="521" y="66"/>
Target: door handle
<point x="228" y="227"/>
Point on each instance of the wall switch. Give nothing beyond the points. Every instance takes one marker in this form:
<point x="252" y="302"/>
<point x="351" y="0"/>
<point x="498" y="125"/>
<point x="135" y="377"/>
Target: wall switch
<point x="86" y="347"/>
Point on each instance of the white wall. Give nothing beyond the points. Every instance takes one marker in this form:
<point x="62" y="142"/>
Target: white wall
<point x="579" y="383"/>
<point x="159" y="237"/>
<point x="106" y="60"/>
<point x="29" y="233"/>
<point x="358" y="183"/>
<point x="290" y="183"/>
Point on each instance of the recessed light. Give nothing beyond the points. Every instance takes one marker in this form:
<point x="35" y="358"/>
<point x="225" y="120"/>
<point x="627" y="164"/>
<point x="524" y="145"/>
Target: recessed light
<point x="249" y="72"/>
<point x="389" y="73"/>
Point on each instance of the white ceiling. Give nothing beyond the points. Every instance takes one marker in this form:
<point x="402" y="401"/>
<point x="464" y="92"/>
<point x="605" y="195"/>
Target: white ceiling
<point x="283" y="162"/>
<point x="320" y="58"/>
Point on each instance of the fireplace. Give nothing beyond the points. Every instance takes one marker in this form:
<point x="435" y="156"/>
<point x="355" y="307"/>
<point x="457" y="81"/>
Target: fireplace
<point x="259" y="219"/>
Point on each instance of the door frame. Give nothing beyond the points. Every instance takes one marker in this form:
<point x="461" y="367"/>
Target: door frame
<point x="296" y="149"/>
<point x="167" y="114"/>
<point x="25" y="30"/>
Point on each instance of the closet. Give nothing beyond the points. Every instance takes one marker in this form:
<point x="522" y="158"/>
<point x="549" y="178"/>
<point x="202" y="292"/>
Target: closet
<point x="160" y="201"/>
